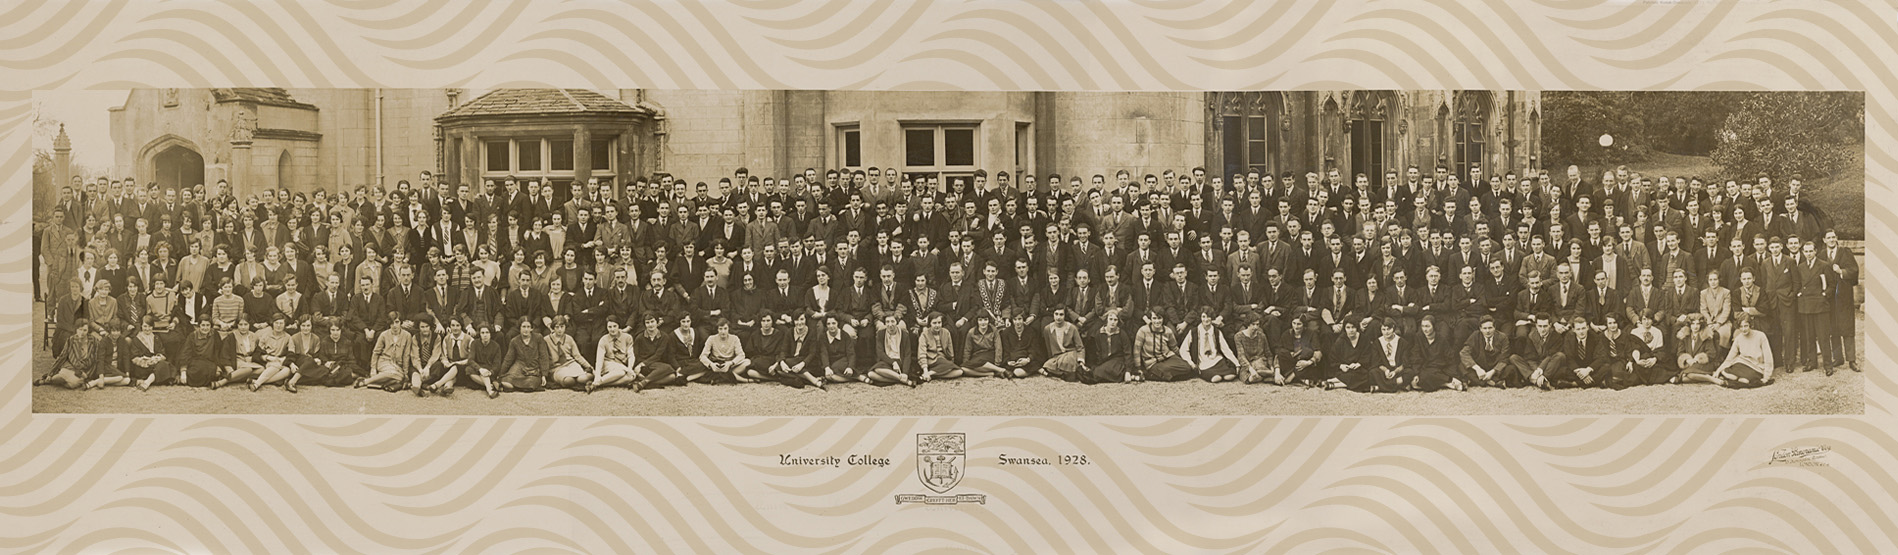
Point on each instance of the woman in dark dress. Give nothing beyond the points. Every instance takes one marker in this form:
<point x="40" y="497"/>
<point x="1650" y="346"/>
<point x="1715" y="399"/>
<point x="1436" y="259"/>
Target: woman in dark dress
<point x="765" y="348"/>
<point x="1348" y="366"/>
<point x="1438" y="360"/>
<point x="485" y="357"/>
<point x="207" y="356"/>
<point x="982" y="346"/>
<point x="1112" y="352"/>
<point x="334" y="351"/>
<point x="800" y="359"/>
<point x="1300" y="352"/>
<point x="838" y="353"/>
<point x="652" y="349"/>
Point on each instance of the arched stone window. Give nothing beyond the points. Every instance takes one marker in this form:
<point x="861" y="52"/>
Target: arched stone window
<point x="1470" y="131"/>
<point x="1249" y="131"/>
<point x="285" y="178"/>
<point x="1369" y="114"/>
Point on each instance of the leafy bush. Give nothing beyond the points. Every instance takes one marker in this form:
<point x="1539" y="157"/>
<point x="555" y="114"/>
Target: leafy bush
<point x="1783" y="133"/>
<point x="1575" y="120"/>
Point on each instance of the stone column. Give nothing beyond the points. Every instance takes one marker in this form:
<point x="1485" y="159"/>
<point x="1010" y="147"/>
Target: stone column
<point x="62" y="156"/>
<point x="582" y="153"/>
<point x="240" y="178"/>
<point x="62" y="168"/>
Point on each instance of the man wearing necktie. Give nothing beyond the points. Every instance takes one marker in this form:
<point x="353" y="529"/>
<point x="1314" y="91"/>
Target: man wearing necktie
<point x="1815" y="280"/>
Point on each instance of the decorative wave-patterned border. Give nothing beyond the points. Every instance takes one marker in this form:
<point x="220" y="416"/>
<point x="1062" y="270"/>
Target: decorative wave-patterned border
<point x="81" y="484"/>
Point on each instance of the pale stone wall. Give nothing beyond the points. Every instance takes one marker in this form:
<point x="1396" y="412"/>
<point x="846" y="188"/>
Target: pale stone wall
<point x="763" y="126"/>
<point x="144" y="120"/>
<point x="345" y="157"/>
<point x="881" y="117"/>
<point x="1139" y="132"/>
<point x="706" y="132"/>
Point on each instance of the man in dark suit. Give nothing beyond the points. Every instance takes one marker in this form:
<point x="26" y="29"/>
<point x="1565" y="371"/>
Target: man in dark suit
<point x="369" y="313"/>
<point x="441" y="302"/>
<point x="1845" y="271"/>
<point x="520" y="302"/>
<point x="1306" y="256"/>
<point x="1678" y="301"/>
<point x="481" y="302"/>
<point x="1602" y="300"/>
<point x="1024" y="292"/>
<point x="1146" y="290"/>
<point x="709" y="302"/>
<point x="1538" y="354"/>
<point x="855" y="303"/>
<point x="332" y="302"/>
<point x="958" y="298"/>
<point x="1708" y="256"/>
<point x="1644" y="300"/>
<point x="1405" y="302"/>
<point x="663" y="300"/>
<point x="1142" y="254"/>
<point x="1485" y="357"/>
<point x="1815" y="282"/>
<point x="582" y="237"/>
<point x="1733" y="263"/>
<point x="783" y="298"/>
<point x="591" y="306"/>
<point x="1083" y="301"/>
<point x="1582" y="348"/>
<point x="1778" y="282"/>
<point x="1565" y="295"/>
<point x="406" y="298"/>
<point x="1466" y="305"/>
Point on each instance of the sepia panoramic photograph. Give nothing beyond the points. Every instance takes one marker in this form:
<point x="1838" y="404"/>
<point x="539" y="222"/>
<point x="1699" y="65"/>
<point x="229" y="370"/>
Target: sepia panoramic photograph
<point x="792" y="252"/>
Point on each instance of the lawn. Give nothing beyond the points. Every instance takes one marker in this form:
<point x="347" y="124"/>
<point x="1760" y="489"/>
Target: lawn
<point x="1840" y="195"/>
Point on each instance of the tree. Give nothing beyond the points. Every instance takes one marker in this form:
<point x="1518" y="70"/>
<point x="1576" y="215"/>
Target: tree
<point x="1685" y="122"/>
<point x="44" y="130"/>
<point x="1785" y="133"/>
<point x="1575" y="120"/>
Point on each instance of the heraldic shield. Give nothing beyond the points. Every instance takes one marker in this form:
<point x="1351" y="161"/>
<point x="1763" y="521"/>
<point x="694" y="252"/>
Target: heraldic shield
<point x="940" y="460"/>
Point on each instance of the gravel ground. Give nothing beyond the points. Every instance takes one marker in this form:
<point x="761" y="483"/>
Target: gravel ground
<point x="1806" y="393"/>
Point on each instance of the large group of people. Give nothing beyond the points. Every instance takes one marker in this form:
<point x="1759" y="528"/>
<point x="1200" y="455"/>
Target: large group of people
<point x="1404" y="281"/>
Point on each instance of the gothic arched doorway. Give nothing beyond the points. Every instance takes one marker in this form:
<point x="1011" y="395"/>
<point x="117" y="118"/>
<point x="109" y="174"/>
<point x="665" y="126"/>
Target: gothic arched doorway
<point x="177" y="166"/>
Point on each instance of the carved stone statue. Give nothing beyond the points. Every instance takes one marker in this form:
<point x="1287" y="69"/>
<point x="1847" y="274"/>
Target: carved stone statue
<point x="243" y="126"/>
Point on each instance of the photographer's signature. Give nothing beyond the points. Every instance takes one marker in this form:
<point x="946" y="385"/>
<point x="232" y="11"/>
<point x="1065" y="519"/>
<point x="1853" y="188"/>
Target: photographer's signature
<point x="1800" y="456"/>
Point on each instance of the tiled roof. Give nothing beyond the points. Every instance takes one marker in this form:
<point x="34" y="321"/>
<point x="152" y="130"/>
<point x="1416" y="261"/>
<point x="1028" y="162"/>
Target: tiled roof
<point x="541" y="101"/>
<point x="272" y="96"/>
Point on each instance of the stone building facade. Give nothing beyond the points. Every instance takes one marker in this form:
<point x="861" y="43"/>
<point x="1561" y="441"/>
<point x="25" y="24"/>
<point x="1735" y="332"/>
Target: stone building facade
<point x="304" y="139"/>
<point x="299" y="139"/>
<point x="1370" y="132"/>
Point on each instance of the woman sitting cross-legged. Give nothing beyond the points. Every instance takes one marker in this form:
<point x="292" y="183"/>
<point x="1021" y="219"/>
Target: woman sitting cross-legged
<point x="724" y="355"/>
<point x="935" y="350"/>
<point x="654" y="351"/>
<point x="613" y="359"/>
<point x="981" y="347"/>
<point x="799" y="360"/>
<point x="1749" y="361"/>
<point x="892" y="346"/>
<point x="569" y="368"/>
